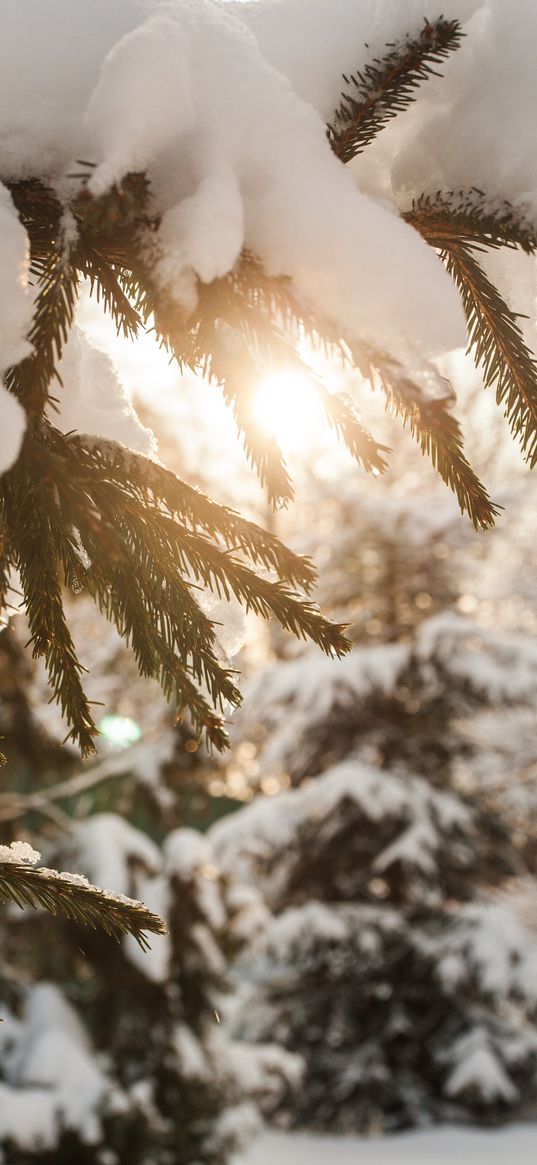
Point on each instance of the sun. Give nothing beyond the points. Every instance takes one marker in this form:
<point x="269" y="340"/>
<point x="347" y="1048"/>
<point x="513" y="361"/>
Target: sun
<point x="287" y="406"/>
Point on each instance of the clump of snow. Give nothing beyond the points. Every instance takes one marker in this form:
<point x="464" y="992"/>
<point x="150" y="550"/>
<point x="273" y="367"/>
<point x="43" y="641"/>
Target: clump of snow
<point x="489" y="945"/>
<point x="229" y="619"/>
<point x="153" y="963"/>
<point x="236" y="1126"/>
<point x="19" y="853"/>
<point x="465" y="123"/>
<point x="288" y="697"/>
<point x="259" y="841"/>
<point x="14" y="323"/>
<point x="90" y="399"/>
<point x="288" y="700"/>
<point x="190" y="1053"/>
<point x="117" y="855"/>
<point x="224" y="105"/>
<point x="16" y="301"/>
<point x="499" y="665"/>
<point x="262" y="170"/>
<point x="189" y="858"/>
<point x="107" y="846"/>
<point x="53" y="1080"/>
<point x="13" y="425"/>
<point x="161" y="87"/>
<point x="186" y="851"/>
<point x="479" y="1069"/>
<point x="28" y="1116"/>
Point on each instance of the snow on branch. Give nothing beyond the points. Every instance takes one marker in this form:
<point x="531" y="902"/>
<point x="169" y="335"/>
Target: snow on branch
<point x="73" y="896"/>
<point x="234" y="228"/>
<point x="387" y="85"/>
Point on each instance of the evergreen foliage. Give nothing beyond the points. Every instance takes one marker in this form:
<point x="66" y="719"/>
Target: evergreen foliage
<point x="140" y="1032"/>
<point x="387" y="85"/>
<point x="77" y="899"/>
<point x="393" y="966"/>
<point x="83" y="514"/>
<point x="69" y="501"/>
<point x="170" y="1083"/>
<point x="459" y="225"/>
<point x="148" y="538"/>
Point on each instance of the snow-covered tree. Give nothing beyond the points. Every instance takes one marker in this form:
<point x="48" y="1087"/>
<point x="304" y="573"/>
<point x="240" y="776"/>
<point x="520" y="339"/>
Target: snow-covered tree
<point x="240" y="231"/>
<point x="118" y="1054"/>
<point x="123" y="1048"/>
<point x="394" y="964"/>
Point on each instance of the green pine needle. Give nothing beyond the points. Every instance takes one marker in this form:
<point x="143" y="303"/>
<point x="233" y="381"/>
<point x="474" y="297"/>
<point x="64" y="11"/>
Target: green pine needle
<point x="90" y="515"/>
<point x="78" y="900"/>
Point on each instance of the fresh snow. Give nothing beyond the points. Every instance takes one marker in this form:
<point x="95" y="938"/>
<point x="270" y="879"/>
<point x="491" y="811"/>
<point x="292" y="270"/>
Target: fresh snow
<point x="160" y="86"/>
<point x="477" y="1066"/>
<point x="14" y="323"/>
<point x="437" y="1147"/>
<point x="261" y="840"/>
<point x="288" y="697"/>
<point x="12" y="424"/>
<point x="224" y="105"/>
<point x="90" y="399"/>
<point x="19" y="853"/>
<point x="52" y="1077"/>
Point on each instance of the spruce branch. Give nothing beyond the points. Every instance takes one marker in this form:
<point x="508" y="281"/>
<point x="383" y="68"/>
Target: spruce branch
<point x="387" y="85"/>
<point x="197" y="510"/>
<point x="343" y="418"/>
<point x="134" y="536"/>
<point x="232" y="367"/>
<point x="470" y="217"/>
<point x="75" y="898"/>
<point x="458" y="228"/>
<point x="128" y="532"/>
<point x="131" y="535"/>
<point x="218" y="344"/>
<point x="439" y="436"/>
<point x="272" y="344"/>
<point x="105" y="286"/>
<point x="277" y="306"/>
<point x="243" y="324"/>
<point x="30" y="513"/>
<point x="53" y="317"/>
<point x="226" y="575"/>
<point x="499" y="347"/>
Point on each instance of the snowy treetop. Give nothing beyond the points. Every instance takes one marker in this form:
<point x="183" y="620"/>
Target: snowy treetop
<point x="448" y="652"/>
<point x="264" y="839"/>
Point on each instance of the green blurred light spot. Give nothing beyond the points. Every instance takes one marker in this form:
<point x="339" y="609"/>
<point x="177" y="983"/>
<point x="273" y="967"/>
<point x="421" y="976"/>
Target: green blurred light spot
<point x="120" y="731"/>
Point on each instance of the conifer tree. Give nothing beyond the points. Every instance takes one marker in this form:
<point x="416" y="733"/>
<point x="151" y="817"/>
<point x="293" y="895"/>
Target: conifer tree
<point x="157" y="1075"/>
<point x="393" y="965"/>
<point x="156" y="1072"/>
<point x="86" y="514"/>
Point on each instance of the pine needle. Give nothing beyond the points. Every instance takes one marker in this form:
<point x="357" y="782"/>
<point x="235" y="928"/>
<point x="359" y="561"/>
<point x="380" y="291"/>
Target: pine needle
<point x="387" y="86"/>
<point x="78" y="900"/>
<point x="439" y="437"/>
<point x="458" y="225"/>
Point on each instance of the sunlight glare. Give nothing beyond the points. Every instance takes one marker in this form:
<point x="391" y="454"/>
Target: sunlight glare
<point x="287" y="406"/>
